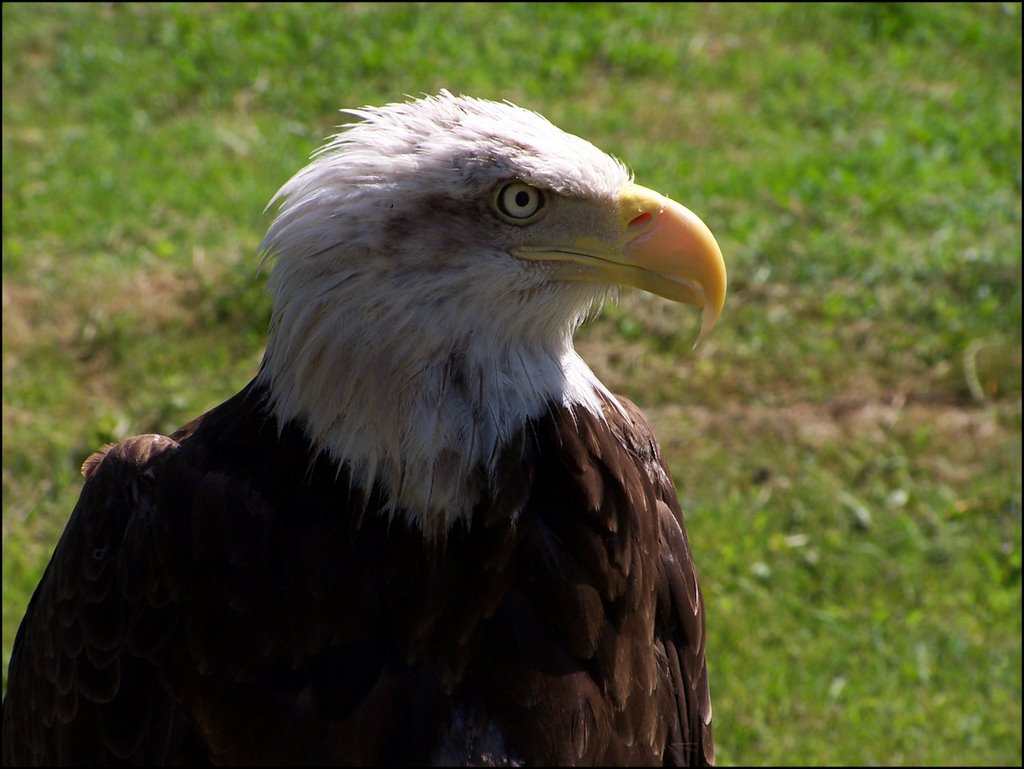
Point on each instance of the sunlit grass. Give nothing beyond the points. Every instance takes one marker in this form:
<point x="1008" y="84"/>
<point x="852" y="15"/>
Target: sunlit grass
<point x="846" y="443"/>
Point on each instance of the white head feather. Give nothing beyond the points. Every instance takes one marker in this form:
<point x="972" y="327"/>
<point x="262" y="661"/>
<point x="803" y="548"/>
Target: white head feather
<point x="405" y="336"/>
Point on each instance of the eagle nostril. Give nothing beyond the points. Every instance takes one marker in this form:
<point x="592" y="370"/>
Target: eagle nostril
<point x="641" y="219"/>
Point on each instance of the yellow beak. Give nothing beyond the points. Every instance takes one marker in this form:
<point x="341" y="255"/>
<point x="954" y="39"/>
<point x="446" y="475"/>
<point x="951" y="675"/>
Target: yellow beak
<point x="661" y="247"/>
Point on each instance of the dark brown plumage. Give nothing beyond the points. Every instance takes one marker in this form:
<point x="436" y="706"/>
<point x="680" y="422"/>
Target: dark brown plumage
<point x="210" y="602"/>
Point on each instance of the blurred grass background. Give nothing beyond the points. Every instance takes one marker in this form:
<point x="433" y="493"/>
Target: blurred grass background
<point x="847" y="444"/>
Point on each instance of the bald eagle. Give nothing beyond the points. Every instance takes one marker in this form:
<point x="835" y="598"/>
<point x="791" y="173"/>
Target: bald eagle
<point x="425" y="532"/>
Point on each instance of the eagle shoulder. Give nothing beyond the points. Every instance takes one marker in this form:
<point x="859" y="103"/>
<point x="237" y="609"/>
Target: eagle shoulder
<point x="73" y="694"/>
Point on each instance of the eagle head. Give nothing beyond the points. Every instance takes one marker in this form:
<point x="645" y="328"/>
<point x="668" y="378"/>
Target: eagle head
<point x="431" y="265"/>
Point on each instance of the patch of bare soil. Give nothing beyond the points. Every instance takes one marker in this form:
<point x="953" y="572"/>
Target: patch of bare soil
<point x="968" y="433"/>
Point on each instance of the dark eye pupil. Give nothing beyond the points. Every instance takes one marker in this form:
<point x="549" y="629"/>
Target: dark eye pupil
<point x="522" y="198"/>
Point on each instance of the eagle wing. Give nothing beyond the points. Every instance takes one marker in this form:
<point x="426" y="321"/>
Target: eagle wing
<point x="679" y="627"/>
<point x="181" y="621"/>
<point x="74" y="695"/>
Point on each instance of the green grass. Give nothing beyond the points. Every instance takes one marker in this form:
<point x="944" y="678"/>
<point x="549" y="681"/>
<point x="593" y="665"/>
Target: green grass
<point x="848" y="441"/>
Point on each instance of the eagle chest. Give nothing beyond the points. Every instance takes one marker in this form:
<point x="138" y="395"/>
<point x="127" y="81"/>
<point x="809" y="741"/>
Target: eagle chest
<point x="532" y="633"/>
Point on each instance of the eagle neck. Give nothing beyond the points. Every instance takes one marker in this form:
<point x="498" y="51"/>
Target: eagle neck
<point x="426" y="416"/>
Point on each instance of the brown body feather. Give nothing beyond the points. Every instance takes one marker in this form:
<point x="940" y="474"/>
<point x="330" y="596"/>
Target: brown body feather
<point x="226" y="595"/>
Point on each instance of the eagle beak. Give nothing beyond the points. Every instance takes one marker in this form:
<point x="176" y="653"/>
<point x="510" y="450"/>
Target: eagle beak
<point x="655" y="245"/>
<point x="667" y="250"/>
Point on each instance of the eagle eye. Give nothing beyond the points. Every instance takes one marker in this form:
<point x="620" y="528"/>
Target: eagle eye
<point x="519" y="201"/>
